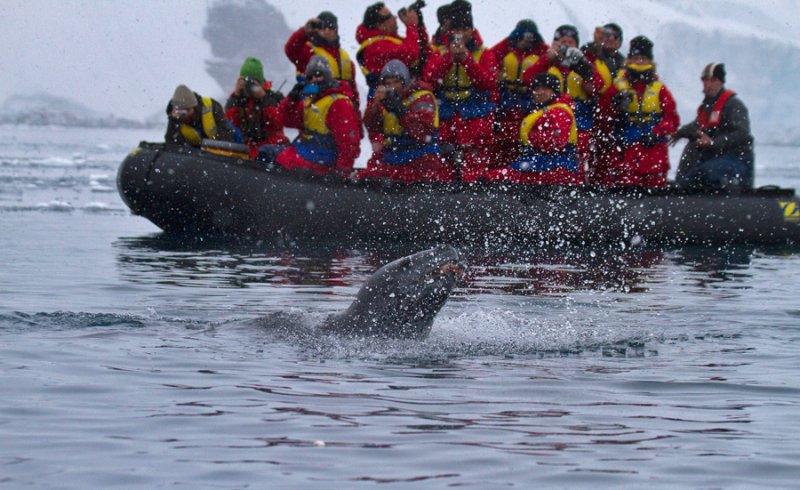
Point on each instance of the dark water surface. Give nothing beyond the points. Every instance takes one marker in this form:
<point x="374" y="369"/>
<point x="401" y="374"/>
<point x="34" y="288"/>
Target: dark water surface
<point x="133" y="359"/>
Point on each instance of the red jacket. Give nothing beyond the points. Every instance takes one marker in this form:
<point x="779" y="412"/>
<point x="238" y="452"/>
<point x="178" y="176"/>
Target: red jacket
<point x="242" y="113"/>
<point x="373" y="56"/>
<point x="481" y="74"/>
<point x="550" y="133"/>
<point x="344" y="125"/>
<point x="299" y="49"/>
<point x="417" y="122"/>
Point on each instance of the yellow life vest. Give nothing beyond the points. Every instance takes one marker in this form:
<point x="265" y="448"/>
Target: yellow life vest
<point x="605" y="74"/>
<point x="530" y="121"/>
<point x="641" y="111"/>
<point x="367" y="43"/>
<point x="391" y="123"/>
<point x="209" y="124"/>
<point x="342" y="67"/>
<point x="315" y="113"/>
<point x="511" y="71"/>
<point x="574" y="84"/>
<point x="457" y="84"/>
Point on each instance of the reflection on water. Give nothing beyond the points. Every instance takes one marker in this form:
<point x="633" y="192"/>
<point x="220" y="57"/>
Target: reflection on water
<point x="190" y="262"/>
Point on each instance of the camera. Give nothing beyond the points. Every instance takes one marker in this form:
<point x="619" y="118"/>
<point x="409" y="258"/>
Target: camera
<point x="180" y="113"/>
<point x="416" y="6"/>
<point x="250" y="85"/>
<point x="456" y="39"/>
<point x="315" y="24"/>
<point x="562" y="50"/>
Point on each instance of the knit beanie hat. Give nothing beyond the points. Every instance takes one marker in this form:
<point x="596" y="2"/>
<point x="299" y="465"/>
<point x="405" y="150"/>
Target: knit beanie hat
<point x="372" y="16"/>
<point x="641" y="45"/>
<point x="318" y="64"/>
<point x="460" y="14"/>
<point x="714" y="70"/>
<point x="396" y="68"/>
<point x="252" y="68"/>
<point x="547" y="80"/>
<point x="526" y="26"/>
<point x="183" y="98"/>
<point x="328" y="20"/>
<point x="443" y="13"/>
<point x="568" y="31"/>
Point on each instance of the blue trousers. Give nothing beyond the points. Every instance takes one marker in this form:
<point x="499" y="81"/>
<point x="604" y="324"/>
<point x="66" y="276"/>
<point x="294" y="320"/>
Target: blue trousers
<point x="718" y="173"/>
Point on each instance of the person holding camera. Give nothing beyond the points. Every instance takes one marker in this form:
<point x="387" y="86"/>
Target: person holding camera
<point x="330" y="128"/>
<point x="578" y="79"/>
<point x="548" y="139"/>
<point x="403" y="121"/>
<point x="463" y="79"/>
<point x="719" y="154"/>
<point x="513" y="55"/>
<point x="320" y="36"/>
<point x="191" y="118"/>
<point x="647" y="118"/>
<point x="253" y="108"/>
<point x="380" y="43"/>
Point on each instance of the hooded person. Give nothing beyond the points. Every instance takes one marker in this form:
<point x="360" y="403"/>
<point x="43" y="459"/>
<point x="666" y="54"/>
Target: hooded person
<point x="320" y="36"/>
<point x="647" y="118"/>
<point x="403" y="122"/>
<point x="719" y="153"/>
<point x="513" y="55"/>
<point x="379" y="41"/>
<point x="252" y="108"/>
<point x="191" y="118"/>
<point x="330" y="128"/>
<point x="548" y="139"/>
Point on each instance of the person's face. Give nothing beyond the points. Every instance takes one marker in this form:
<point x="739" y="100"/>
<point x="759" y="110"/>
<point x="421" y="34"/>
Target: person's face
<point x="328" y="33"/>
<point x="526" y="43"/>
<point x="711" y="86"/>
<point x="542" y="94"/>
<point x="389" y="24"/>
<point x="610" y="40"/>
<point x="567" y="41"/>
<point x="639" y="59"/>
<point x="183" y="115"/>
<point x="316" y="77"/>
<point x="394" y="83"/>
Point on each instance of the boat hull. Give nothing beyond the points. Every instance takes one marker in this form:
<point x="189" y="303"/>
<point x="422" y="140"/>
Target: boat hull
<point x="192" y="192"/>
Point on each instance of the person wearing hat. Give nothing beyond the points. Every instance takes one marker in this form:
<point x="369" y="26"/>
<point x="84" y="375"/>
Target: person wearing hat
<point x="548" y="139"/>
<point x="330" y="127"/>
<point x="454" y="16"/>
<point x="192" y="118"/>
<point x="647" y="118"/>
<point x="578" y="79"/>
<point x="464" y="82"/>
<point x="252" y="107"/>
<point x="514" y="55"/>
<point x="403" y="122"/>
<point x="604" y="53"/>
<point x="379" y="41"/>
<point x="320" y="36"/>
<point x="720" y="149"/>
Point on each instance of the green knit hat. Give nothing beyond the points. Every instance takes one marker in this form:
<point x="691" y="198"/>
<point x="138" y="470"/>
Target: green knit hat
<point x="252" y="68"/>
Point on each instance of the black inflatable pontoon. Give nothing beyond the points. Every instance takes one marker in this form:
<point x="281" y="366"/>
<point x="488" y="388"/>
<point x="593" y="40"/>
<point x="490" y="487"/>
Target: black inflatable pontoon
<point x="192" y="191"/>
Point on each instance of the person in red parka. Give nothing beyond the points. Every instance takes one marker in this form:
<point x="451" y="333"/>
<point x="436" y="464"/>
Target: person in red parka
<point x="579" y="79"/>
<point x="404" y="118"/>
<point x="513" y="55"/>
<point x="253" y="108"/>
<point x="379" y="41"/>
<point x="323" y="110"/>
<point x="647" y="119"/>
<point x="548" y="139"/>
<point x="320" y="35"/>
<point x="463" y="80"/>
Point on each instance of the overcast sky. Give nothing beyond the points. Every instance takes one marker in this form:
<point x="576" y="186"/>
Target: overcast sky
<point x="126" y="57"/>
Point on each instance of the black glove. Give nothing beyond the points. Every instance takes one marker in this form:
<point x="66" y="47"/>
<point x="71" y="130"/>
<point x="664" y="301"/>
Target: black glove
<point x="393" y="103"/>
<point x="297" y="92"/>
<point x="622" y="100"/>
<point x="650" y="140"/>
<point x="583" y="68"/>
